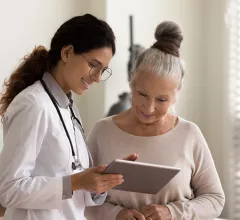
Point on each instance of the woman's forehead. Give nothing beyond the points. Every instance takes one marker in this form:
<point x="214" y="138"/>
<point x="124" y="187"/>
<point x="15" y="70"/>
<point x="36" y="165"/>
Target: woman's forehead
<point x="102" y="55"/>
<point x="150" y="81"/>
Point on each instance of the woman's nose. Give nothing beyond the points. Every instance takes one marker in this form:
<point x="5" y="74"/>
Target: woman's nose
<point x="97" y="77"/>
<point x="150" y="107"/>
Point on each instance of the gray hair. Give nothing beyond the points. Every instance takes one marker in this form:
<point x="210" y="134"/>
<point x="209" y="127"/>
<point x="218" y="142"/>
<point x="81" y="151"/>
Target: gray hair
<point x="163" y="57"/>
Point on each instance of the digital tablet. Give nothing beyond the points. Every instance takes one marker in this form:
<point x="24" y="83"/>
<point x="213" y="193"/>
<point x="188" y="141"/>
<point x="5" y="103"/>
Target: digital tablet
<point x="141" y="177"/>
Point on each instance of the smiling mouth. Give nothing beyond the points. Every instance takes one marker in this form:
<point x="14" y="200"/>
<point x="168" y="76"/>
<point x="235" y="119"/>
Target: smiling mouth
<point x="147" y="115"/>
<point x="85" y="83"/>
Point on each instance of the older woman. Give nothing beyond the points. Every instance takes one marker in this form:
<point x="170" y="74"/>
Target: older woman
<point x="149" y="129"/>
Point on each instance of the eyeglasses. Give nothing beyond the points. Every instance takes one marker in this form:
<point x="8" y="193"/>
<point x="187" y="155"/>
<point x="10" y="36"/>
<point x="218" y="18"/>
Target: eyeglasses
<point x="95" y="69"/>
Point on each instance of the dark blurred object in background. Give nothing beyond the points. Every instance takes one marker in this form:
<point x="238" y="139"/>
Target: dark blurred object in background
<point x="135" y="51"/>
<point x="124" y="102"/>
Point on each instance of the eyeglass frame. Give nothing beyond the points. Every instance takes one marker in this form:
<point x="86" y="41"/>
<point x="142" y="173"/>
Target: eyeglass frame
<point x="91" y="67"/>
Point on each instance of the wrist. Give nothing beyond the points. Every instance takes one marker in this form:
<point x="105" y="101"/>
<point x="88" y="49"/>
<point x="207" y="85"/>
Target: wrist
<point x="75" y="180"/>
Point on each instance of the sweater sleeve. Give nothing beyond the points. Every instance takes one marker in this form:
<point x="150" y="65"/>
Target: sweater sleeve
<point x="107" y="211"/>
<point x="209" y="197"/>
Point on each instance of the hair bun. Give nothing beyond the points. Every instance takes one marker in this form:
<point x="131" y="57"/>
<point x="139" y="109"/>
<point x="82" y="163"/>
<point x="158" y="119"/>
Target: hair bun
<point x="169" y="37"/>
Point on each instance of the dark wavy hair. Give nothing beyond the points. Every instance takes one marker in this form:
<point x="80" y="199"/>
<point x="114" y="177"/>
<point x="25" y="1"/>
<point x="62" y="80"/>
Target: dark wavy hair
<point x="84" y="33"/>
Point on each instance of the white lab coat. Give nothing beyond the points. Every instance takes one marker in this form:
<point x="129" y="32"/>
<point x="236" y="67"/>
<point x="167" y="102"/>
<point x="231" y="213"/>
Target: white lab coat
<point x="35" y="157"/>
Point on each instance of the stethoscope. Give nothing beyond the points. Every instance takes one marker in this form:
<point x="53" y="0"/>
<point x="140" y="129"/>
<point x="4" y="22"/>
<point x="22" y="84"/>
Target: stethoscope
<point x="76" y="164"/>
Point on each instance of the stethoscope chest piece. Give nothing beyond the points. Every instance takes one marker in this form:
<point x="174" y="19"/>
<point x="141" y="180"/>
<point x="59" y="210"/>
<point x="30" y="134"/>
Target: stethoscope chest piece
<point x="74" y="167"/>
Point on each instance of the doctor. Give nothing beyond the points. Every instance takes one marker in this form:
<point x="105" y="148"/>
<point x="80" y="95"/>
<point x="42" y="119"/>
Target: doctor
<point x="44" y="165"/>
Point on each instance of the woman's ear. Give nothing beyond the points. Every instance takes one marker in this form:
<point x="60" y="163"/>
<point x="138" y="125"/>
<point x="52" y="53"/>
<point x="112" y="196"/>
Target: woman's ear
<point x="66" y="53"/>
<point x="173" y="110"/>
<point x="175" y="98"/>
